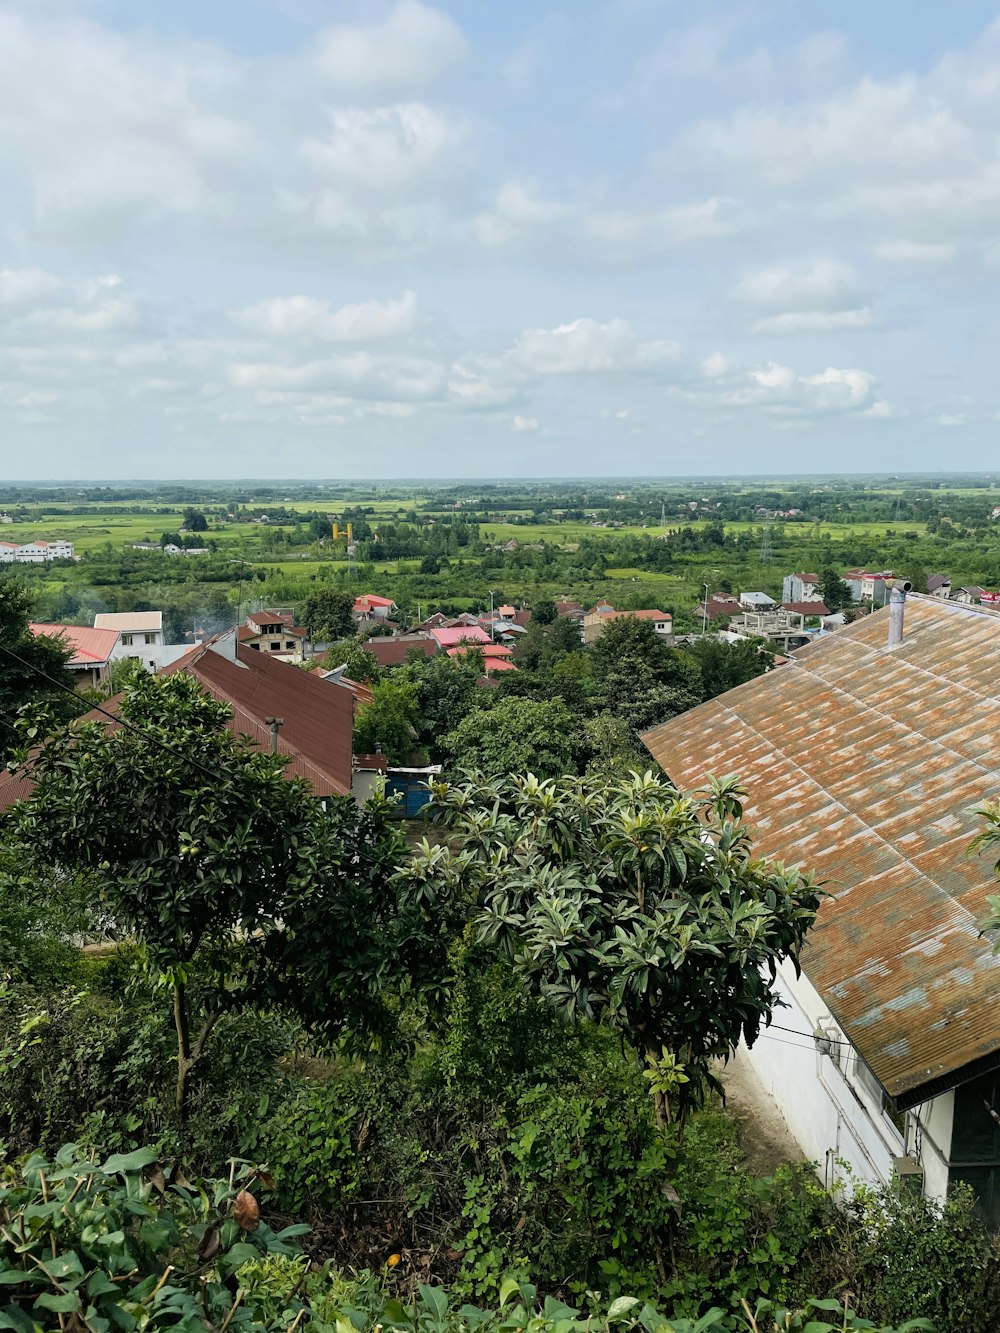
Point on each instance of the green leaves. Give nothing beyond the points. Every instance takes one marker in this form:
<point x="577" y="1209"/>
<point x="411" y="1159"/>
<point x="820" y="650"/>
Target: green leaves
<point x="626" y="901"/>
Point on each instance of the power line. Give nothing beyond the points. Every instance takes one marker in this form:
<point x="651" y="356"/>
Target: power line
<point x="833" y="1041"/>
<point x="113" y="717"/>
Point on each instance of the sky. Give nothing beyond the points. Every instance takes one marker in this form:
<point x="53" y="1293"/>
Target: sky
<point x="386" y="238"/>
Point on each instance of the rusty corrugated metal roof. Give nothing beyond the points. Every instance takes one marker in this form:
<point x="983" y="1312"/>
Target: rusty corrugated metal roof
<point x="864" y="764"/>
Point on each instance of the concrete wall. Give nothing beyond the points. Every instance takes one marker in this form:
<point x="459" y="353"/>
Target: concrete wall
<point x="828" y="1109"/>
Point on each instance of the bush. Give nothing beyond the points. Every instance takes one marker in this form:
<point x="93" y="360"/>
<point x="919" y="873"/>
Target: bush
<point x="907" y="1253"/>
<point x="117" y="1245"/>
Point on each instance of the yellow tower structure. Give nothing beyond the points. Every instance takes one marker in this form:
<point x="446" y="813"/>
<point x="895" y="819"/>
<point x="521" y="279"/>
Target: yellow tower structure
<point x="336" y="531"/>
<point x="350" y="533"/>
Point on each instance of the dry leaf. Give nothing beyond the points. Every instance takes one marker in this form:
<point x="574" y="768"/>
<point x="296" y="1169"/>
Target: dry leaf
<point x="246" y="1210"/>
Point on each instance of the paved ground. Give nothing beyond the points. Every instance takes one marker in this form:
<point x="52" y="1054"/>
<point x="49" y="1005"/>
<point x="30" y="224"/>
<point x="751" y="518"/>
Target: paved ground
<point x="764" y="1137"/>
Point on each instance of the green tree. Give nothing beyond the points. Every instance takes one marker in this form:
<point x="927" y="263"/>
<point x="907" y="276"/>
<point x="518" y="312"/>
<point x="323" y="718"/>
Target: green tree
<point x="724" y="665"/>
<point x="517" y="736"/>
<point x="629" y="903"/>
<point x="205" y="855"/>
<point x="836" y="593"/>
<point x="639" y="678"/>
<point x="195" y="520"/>
<point x="447" y="693"/>
<point x="544" y="611"/>
<point x="328" y="615"/>
<point x="389" y="723"/>
<point x="33" y="670"/>
<point x="357" y="663"/>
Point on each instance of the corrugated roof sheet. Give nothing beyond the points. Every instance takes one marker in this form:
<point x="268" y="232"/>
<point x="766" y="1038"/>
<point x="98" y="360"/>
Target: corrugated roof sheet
<point x="448" y="638"/>
<point x="318" y="721"/>
<point x="864" y="764"/>
<point x="129" y="621"/>
<point x="389" y="651"/>
<point x="91" y="647"/>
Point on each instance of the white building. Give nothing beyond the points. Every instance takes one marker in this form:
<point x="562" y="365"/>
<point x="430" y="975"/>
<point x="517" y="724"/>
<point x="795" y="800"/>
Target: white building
<point x="141" y="637"/>
<point x="865" y="761"/>
<point x="801" y="588"/>
<point x="35" y="553"/>
<point x="757" y="601"/>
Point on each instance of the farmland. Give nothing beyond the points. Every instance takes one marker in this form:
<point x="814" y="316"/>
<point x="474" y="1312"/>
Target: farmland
<point x="450" y="546"/>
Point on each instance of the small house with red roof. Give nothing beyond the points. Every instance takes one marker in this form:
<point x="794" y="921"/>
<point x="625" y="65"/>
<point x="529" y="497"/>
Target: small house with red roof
<point x="93" y="649"/>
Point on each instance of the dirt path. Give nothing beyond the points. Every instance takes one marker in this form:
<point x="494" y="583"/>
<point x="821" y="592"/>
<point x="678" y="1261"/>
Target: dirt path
<point x="764" y="1137"/>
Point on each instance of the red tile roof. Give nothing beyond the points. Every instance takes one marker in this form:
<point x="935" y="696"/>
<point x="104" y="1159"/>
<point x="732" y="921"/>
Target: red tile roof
<point x="368" y="601"/>
<point x="488" y="650"/>
<point x="91" y="647"/>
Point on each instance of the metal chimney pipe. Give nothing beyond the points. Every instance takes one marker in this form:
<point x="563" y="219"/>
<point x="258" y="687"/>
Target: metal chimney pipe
<point x="898" y="588"/>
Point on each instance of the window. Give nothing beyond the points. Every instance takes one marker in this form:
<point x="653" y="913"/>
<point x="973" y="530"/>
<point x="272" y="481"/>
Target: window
<point x="150" y="638"/>
<point x="276" y="647"/>
<point x="127" y="640"/>
<point x="877" y="1093"/>
<point x="290" y="644"/>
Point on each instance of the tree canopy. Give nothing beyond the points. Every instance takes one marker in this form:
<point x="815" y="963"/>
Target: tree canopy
<point x="33" y="670"/>
<point x="628" y="902"/>
<point x="328" y="614"/>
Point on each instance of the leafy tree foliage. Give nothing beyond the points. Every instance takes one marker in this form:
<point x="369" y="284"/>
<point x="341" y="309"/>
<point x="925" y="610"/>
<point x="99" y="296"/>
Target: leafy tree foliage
<point x="25" y="661"/>
<point x="517" y="735"/>
<point x="358" y="664"/>
<point x="836" y="593"/>
<point x="328" y="614"/>
<point x="630" y="903"/>
<point x="639" y="679"/>
<point x="226" y="874"/>
<point x="389" y="722"/>
<point x="544" y="611"/>
<point x="724" y="665"/>
<point x="195" y="520"/>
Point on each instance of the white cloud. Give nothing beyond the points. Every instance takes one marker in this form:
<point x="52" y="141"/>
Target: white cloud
<point x="303" y="317"/>
<point x="586" y="346"/>
<point x="823" y="285"/>
<point x="822" y="297"/>
<point x="519" y="423"/>
<point x="113" y="129"/>
<point x="521" y="215"/>
<point x="782" y="392"/>
<point x="950" y="419"/>
<point x="24" y="288"/>
<point x="357" y="374"/>
<point x="714" y="365"/>
<point x="916" y="252"/>
<point x="413" y="45"/>
<point x="389" y="149"/>
<point x="815" y="321"/>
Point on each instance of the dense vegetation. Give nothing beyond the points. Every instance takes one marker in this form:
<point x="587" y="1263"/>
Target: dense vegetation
<point x="384" y="1054"/>
<point x="307" y="1074"/>
<point x="446" y="547"/>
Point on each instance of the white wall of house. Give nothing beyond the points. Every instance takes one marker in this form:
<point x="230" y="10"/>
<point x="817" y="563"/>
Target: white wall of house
<point x="833" y="1113"/>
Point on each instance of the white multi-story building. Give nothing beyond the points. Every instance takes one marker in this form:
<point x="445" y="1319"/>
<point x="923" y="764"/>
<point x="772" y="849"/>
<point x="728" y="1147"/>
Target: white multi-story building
<point x="141" y="637"/>
<point x="36" y="553"/>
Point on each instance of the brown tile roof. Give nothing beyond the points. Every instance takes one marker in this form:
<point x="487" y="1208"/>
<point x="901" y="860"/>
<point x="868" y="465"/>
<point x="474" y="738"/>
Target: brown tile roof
<point x="391" y="651"/>
<point x="637" y="615"/>
<point x="805" y="608"/>
<point x="318" y="721"/>
<point x="865" y="764"/>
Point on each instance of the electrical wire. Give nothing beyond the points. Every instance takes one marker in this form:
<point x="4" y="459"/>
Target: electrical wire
<point x="113" y="717"/>
<point x="832" y="1041"/>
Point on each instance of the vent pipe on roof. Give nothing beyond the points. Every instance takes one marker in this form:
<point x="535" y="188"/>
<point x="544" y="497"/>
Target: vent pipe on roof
<point x="898" y="588"/>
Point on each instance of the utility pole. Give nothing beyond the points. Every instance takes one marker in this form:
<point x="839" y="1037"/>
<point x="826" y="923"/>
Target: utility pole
<point x="704" y="611"/>
<point x="493" y="623"/>
<point x="765" y="544"/>
<point x="275" y="723"/>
